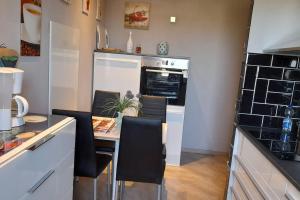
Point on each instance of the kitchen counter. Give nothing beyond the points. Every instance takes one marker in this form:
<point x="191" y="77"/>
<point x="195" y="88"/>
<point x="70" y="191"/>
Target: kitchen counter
<point x="42" y="130"/>
<point x="145" y="55"/>
<point x="289" y="168"/>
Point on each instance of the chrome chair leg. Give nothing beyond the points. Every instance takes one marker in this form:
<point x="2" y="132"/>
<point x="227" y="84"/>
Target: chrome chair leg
<point x="122" y="190"/>
<point x="108" y="181"/>
<point x="159" y="192"/>
<point x="95" y="188"/>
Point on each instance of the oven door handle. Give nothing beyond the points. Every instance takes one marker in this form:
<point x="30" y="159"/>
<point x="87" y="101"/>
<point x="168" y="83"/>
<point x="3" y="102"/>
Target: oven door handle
<point x="164" y="71"/>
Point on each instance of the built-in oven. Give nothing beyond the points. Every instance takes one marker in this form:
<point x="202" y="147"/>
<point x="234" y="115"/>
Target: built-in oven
<point x="165" y="77"/>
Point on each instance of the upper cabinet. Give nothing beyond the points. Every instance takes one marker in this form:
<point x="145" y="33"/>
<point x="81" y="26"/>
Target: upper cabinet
<point x="274" y="26"/>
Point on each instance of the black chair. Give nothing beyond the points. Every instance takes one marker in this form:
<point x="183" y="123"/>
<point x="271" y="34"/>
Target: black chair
<point x="101" y="98"/>
<point x="140" y="152"/>
<point x="87" y="162"/>
<point x="153" y="107"/>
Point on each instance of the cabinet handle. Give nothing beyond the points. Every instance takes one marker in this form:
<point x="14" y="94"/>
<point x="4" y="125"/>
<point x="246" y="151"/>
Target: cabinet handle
<point x="164" y="71"/>
<point x="41" y="142"/>
<point x="235" y="194"/>
<point x="289" y="196"/>
<point x="242" y="185"/>
<point x="41" y="181"/>
<point x="118" y="60"/>
<point x="253" y="180"/>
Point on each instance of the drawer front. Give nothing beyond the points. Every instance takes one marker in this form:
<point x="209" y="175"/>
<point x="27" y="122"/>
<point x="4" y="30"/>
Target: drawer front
<point x="245" y="181"/>
<point x="292" y="193"/>
<point x="270" y="180"/>
<point x="237" y="191"/>
<point x="22" y="172"/>
<point x="64" y="173"/>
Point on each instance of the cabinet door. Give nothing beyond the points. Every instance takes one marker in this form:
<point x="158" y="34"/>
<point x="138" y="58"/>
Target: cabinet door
<point x="175" y="118"/>
<point x="115" y="72"/>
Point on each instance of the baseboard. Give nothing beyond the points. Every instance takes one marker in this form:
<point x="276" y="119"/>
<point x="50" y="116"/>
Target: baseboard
<point x="201" y="151"/>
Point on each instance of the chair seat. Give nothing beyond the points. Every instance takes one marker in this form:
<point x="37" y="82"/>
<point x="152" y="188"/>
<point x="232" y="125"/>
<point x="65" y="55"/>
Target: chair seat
<point x="105" y="146"/>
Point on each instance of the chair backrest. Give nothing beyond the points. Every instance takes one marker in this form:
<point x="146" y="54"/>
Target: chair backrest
<point x="85" y="153"/>
<point x="140" y="153"/>
<point x="153" y="107"/>
<point x="101" y="98"/>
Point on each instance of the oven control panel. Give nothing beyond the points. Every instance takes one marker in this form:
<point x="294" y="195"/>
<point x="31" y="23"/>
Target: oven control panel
<point x="162" y="62"/>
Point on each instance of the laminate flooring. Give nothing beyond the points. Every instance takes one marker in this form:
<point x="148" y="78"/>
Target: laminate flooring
<point x="200" y="177"/>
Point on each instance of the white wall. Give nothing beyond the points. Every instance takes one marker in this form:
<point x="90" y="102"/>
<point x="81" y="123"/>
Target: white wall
<point x="274" y="23"/>
<point x="212" y="34"/>
<point x="35" y="85"/>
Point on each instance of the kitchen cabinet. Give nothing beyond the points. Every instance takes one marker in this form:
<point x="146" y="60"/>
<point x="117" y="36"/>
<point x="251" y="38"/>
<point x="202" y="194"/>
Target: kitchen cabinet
<point x="44" y="170"/>
<point x="117" y="72"/>
<point x="257" y="177"/>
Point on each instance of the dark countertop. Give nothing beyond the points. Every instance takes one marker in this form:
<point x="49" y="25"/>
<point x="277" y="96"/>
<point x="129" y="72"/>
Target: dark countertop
<point x="289" y="168"/>
<point x="150" y="55"/>
<point x="37" y="128"/>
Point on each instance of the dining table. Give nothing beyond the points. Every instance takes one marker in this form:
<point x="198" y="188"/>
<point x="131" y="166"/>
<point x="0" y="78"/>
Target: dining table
<point x="113" y="134"/>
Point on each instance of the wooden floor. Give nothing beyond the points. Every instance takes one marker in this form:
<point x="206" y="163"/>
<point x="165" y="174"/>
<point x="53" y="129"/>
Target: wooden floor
<point x="199" y="177"/>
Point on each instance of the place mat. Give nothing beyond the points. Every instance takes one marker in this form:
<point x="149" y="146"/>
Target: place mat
<point x="35" y="118"/>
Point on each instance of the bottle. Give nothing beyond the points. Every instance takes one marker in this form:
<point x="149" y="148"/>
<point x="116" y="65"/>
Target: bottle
<point x="286" y="132"/>
<point x="106" y="39"/>
<point x="130" y="44"/>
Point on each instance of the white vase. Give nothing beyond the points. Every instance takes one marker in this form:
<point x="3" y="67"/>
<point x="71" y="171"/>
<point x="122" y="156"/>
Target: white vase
<point x="130" y="43"/>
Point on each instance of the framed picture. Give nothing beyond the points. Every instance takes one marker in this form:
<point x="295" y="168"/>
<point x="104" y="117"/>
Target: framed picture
<point x="137" y="15"/>
<point x="86" y="6"/>
<point x="31" y="23"/>
<point x="98" y="13"/>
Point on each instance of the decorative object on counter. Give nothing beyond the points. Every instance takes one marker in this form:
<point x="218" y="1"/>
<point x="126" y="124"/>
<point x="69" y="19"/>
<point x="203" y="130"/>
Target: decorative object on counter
<point x="129" y="43"/>
<point x="106" y="39"/>
<point x="123" y="106"/>
<point x="137" y="15"/>
<point x="285" y="148"/>
<point x="138" y="49"/>
<point x="86" y="6"/>
<point x="67" y="1"/>
<point x="99" y="13"/>
<point x="98" y="37"/>
<point x="31" y="15"/>
<point x="3" y="45"/>
<point x="8" y="57"/>
<point x="111" y="50"/>
<point x="163" y="48"/>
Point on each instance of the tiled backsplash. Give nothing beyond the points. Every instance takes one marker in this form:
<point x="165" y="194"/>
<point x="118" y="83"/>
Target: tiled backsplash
<point x="270" y="83"/>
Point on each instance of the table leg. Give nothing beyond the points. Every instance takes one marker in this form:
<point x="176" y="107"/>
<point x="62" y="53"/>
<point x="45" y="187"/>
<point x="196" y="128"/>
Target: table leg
<point x="114" y="174"/>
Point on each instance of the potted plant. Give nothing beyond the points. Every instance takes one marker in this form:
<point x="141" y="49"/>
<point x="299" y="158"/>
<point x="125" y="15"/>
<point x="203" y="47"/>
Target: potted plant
<point x="123" y="105"/>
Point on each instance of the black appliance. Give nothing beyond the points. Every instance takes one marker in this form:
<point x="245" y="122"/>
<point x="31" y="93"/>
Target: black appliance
<point x="165" y="77"/>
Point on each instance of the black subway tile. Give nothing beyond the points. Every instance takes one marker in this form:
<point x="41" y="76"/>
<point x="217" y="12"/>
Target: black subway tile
<point x="272" y="122"/>
<point x="271" y="135"/>
<point x="297" y="86"/>
<point x="264" y="109"/>
<point x="279" y="98"/>
<point x="261" y="85"/>
<point x="246" y="103"/>
<point x="280" y="110"/>
<point x="291" y="74"/>
<point x="281" y="86"/>
<point x="270" y="72"/>
<point x="285" y="61"/>
<point x="259" y="59"/>
<point x="250" y="120"/>
<point x="296" y="98"/>
<point x="260" y="96"/>
<point x="250" y="77"/>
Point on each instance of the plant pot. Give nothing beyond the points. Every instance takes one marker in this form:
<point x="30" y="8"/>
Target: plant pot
<point x="119" y="119"/>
